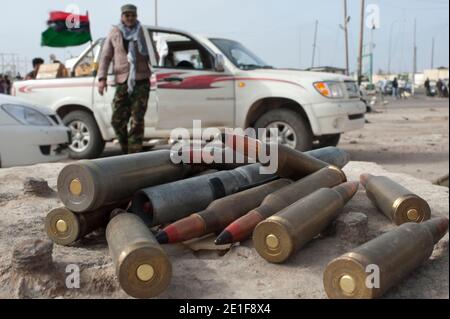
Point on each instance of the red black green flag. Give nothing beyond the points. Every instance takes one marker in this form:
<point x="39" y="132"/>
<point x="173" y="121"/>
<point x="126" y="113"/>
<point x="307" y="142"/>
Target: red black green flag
<point x="66" y="30"/>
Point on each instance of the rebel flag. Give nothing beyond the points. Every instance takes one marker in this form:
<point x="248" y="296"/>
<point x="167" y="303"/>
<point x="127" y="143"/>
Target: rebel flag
<point x="66" y="30"/>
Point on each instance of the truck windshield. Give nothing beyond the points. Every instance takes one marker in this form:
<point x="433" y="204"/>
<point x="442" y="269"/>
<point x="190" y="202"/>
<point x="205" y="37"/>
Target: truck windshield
<point x="240" y="55"/>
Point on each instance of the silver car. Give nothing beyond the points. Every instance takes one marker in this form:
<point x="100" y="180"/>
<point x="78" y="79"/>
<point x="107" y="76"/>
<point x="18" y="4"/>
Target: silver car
<point x="30" y="134"/>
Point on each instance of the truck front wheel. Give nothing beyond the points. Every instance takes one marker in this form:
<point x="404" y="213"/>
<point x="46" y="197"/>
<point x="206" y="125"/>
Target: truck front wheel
<point x="292" y="129"/>
<point x="87" y="141"/>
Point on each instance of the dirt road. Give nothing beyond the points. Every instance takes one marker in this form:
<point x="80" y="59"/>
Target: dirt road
<point x="409" y="136"/>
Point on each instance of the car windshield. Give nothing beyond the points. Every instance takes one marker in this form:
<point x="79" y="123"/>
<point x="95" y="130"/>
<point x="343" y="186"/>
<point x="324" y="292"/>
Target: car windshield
<point x="240" y="55"/>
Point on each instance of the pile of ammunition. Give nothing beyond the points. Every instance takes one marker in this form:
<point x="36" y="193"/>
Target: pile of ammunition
<point x="145" y="200"/>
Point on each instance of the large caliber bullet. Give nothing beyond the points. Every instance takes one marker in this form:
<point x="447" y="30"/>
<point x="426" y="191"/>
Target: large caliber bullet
<point x="217" y="158"/>
<point x="243" y="227"/>
<point x="331" y="155"/>
<point x="212" y="158"/>
<point x="65" y="227"/>
<point x="372" y="269"/>
<point x="218" y="214"/>
<point x="142" y="266"/>
<point x="88" y="185"/>
<point x="292" y="164"/>
<point x="170" y="202"/>
<point x="396" y="202"/>
<point x="280" y="236"/>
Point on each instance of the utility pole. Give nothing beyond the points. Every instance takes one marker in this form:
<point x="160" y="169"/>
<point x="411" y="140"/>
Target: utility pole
<point x="372" y="49"/>
<point x="361" y="43"/>
<point x="414" y="58"/>
<point x="300" y="50"/>
<point x="156" y="13"/>
<point x="390" y="46"/>
<point x="346" y="21"/>
<point x="432" y="54"/>
<point x="315" y="43"/>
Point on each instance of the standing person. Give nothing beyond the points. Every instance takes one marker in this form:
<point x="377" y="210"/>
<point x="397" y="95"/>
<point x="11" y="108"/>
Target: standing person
<point x="395" y="88"/>
<point x="427" y="87"/>
<point x="2" y="85"/>
<point x="37" y="62"/>
<point x="444" y="89"/>
<point x="126" y="45"/>
<point x="54" y="59"/>
<point x="8" y="85"/>
<point x="439" y="88"/>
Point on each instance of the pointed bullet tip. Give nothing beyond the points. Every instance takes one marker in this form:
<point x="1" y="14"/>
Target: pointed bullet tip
<point x="347" y="190"/>
<point x="224" y="238"/>
<point x="162" y="237"/>
<point x="364" y="178"/>
<point x="442" y="226"/>
<point x="354" y="186"/>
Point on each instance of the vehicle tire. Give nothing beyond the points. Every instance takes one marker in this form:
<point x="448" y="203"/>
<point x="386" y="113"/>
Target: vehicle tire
<point x="328" y="140"/>
<point x="293" y="129"/>
<point x="87" y="141"/>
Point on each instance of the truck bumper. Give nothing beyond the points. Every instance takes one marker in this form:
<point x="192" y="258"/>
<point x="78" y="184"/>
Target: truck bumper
<point x="338" y="117"/>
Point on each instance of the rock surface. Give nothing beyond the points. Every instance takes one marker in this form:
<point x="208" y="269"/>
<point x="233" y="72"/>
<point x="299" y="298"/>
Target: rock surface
<point x="352" y="228"/>
<point x="32" y="255"/>
<point x="241" y="273"/>
<point x="37" y="186"/>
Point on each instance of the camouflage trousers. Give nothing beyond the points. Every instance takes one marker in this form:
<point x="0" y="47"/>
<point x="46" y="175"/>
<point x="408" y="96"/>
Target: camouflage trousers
<point x="130" y="106"/>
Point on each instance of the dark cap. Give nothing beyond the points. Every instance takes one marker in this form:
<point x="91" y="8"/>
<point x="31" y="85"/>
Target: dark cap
<point x="129" y="8"/>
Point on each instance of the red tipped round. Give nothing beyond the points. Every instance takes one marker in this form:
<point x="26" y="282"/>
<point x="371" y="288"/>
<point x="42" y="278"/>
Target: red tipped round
<point x="364" y="178"/>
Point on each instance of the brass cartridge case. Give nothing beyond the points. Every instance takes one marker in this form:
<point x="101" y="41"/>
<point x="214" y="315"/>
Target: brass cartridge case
<point x="65" y="227"/>
<point x="280" y="236"/>
<point x="88" y="185"/>
<point x="399" y="204"/>
<point x="387" y="259"/>
<point x="142" y="266"/>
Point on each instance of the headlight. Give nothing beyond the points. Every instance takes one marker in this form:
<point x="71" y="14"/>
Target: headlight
<point x="27" y="115"/>
<point x="330" y="89"/>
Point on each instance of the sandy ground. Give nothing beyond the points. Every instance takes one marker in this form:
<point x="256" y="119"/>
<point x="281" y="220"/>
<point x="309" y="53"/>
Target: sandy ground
<point x="409" y="141"/>
<point x="205" y="274"/>
<point x="408" y="136"/>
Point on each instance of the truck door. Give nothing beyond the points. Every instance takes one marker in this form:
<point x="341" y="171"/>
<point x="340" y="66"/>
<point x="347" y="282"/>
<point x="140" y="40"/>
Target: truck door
<point x="103" y="104"/>
<point x="188" y="87"/>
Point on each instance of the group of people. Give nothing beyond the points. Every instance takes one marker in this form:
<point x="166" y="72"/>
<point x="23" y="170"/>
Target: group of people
<point x="6" y="82"/>
<point x="441" y="88"/>
<point x="399" y="88"/>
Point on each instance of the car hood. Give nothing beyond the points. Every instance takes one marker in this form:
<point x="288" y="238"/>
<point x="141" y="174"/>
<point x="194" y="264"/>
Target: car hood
<point x="7" y="99"/>
<point x="298" y="75"/>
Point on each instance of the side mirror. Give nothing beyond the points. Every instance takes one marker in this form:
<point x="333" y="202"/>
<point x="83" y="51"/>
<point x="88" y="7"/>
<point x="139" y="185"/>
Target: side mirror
<point x="219" y="63"/>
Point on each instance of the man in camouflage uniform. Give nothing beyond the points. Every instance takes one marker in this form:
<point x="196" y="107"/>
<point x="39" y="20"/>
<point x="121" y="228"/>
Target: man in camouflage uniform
<point x="126" y="45"/>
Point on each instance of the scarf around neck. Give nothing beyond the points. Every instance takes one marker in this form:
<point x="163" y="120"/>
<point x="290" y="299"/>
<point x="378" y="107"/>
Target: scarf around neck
<point x="133" y="35"/>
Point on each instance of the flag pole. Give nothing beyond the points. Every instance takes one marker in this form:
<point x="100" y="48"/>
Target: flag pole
<point x="87" y="14"/>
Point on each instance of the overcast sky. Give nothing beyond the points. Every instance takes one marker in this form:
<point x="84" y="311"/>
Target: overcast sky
<point x="279" y="31"/>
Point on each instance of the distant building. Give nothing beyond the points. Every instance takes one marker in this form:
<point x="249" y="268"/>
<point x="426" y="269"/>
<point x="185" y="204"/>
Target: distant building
<point x="436" y="74"/>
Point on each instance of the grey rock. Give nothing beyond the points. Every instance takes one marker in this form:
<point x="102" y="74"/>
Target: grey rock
<point x="37" y="186"/>
<point x="32" y="255"/>
<point x="353" y="228"/>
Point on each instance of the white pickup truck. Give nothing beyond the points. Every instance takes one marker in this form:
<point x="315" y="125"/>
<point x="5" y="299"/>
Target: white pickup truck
<point x="217" y="81"/>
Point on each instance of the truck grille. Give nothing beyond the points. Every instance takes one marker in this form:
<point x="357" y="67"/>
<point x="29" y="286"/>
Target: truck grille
<point x="352" y="89"/>
<point x="355" y="117"/>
